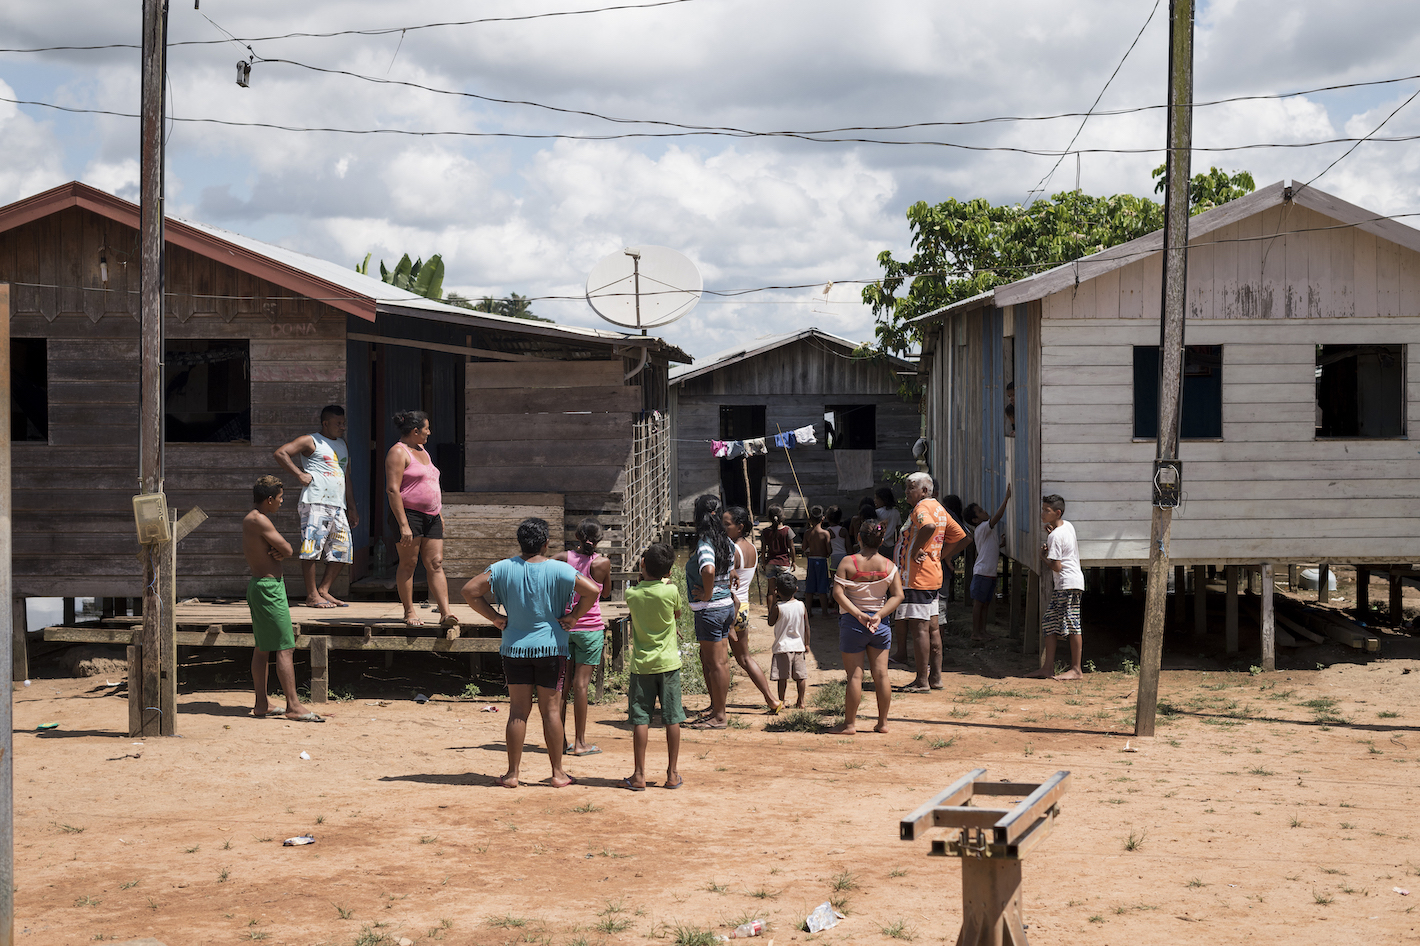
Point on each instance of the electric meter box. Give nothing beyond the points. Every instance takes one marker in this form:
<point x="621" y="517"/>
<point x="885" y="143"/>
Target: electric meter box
<point x="150" y="513"/>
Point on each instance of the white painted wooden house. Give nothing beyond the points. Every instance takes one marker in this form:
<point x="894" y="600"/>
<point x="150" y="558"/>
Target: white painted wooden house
<point x="1301" y="401"/>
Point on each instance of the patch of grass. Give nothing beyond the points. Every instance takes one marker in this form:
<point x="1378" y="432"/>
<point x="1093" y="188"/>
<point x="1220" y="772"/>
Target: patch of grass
<point x="1096" y="919"/>
<point x="854" y="765"/>
<point x="1322" y="898"/>
<point x="507" y="922"/>
<point x="840" y="903"/>
<point x="87" y="902"/>
<point x="262" y="840"/>
<point x="843" y="881"/>
<point x="344" y="913"/>
<point x="734" y="722"/>
<point x="918" y="737"/>
<point x="991" y="691"/>
<point x="192" y="850"/>
<point x="682" y="935"/>
<point x="1135" y="840"/>
<point x="939" y="743"/>
<point x="69" y="828"/>
<point x="222" y="877"/>
<point x="612" y="924"/>
<point x="799" y="720"/>
<point x="898" y="929"/>
<point x="1388" y="714"/>
<point x="717" y="888"/>
<point x="1295" y="822"/>
<point x="128" y="885"/>
<point x="371" y="937"/>
<point x="428" y="838"/>
<point x="1259" y="770"/>
<point x="586" y="809"/>
<point x="762" y="894"/>
<point x="830" y="696"/>
<point x="1195" y="882"/>
<point x="1347" y="826"/>
<point x="898" y="872"/>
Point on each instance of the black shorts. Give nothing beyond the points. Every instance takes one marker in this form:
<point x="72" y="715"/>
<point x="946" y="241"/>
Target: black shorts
<point x="421" y="524"/>
<point x="547" y="673"/>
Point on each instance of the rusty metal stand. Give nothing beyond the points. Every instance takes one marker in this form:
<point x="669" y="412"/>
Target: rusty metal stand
<point x="991" y="843"/>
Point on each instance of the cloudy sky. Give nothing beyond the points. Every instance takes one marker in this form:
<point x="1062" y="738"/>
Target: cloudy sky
<point x="532" y="215"/>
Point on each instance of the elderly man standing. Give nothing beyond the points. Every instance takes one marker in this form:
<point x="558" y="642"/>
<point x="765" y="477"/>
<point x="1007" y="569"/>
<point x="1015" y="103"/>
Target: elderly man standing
<point x="327" y="504"/>
<point x="928" y="536"/>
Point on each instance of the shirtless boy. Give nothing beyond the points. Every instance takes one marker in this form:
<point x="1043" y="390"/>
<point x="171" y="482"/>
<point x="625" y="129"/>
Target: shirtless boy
<point x="818" y="546"/>
<point x="266" y="597"/>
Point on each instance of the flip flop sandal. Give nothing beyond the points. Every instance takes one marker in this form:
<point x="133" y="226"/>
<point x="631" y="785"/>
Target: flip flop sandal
<point x="626" y="783"/>
<point x="676" y="785"/>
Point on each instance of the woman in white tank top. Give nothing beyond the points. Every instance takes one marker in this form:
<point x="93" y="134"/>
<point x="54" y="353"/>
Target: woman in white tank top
<point x="741" y="530"/>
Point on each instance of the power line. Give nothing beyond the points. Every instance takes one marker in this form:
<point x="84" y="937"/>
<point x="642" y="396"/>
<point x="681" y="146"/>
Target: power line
<point x="380" y="31"/>
<point x="1359" y="141"/>
<point x="404" y="132"/>
<point x="1051" y="173"/>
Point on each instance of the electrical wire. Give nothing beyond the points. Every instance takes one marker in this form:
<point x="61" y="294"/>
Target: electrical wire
<point x="404" y="132"/>
<point x="379" y="31"/>
<point x="1359" y="141"/>
<point x="1040" y="186"/>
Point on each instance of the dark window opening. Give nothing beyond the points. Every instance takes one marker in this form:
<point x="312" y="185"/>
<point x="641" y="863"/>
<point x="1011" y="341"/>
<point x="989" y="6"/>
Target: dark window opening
<point x="207" y="390"/>
<point x="743" y="478"/>
<point x="1008" y="379"/>
<point x="1201" y="413"/>
<point x="29" y="390"/>
<point x="850" y="426"/>
<point x="1360" y="390"/>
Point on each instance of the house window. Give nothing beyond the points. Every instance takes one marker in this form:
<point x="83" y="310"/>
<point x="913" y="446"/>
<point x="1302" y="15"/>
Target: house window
<point x="207" y="390"/>
<point x="1360" y="390"/>
<point x="29" y="390"/>
<point x="1202" y="408"/>
<point x="850" y="426"/>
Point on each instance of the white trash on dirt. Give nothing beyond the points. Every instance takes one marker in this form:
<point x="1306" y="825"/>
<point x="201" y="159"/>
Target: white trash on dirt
<point x="299" y="840"/>
<point x="305" y="755"/>
<point x="824" y="917"/>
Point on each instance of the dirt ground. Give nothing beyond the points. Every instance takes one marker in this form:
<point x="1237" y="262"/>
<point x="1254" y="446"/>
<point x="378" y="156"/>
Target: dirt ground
<point x="1270" y="808"/>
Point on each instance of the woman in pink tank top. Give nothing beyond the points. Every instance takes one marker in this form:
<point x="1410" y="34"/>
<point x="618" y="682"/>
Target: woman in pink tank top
<point x="412" y="486"/>
<point x="587" y="636"/>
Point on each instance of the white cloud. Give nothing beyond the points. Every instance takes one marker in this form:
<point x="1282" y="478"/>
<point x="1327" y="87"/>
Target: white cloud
<point x="33" y="160"/>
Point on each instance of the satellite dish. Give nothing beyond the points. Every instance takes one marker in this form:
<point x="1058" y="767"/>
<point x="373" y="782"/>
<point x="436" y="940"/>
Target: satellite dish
<point x="642" y="287"/>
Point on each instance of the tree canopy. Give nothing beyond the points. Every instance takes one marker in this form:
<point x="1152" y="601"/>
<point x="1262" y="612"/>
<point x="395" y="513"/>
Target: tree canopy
<point x="514" y="307"/>
<point x="962" y="248"/>
<point x="421" y="277"/>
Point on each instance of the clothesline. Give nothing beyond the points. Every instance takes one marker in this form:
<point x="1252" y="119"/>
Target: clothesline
<point x="758" y="446"/>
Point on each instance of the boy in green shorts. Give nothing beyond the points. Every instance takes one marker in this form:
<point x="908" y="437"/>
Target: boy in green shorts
<point x="654" y="604"/>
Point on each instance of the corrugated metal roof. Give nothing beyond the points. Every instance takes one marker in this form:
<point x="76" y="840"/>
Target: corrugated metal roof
<point x="768" y="343"/>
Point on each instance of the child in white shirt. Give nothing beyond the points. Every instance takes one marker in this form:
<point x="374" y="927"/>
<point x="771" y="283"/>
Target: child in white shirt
<point x="988" y="561"/>
<point x="1061" y="557"/>
<point x="791" y="632"/>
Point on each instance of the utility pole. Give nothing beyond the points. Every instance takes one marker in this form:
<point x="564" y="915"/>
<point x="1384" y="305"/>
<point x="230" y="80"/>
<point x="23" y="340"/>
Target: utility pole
<point x="145" y="704"/>
<point x="1167" y="479"/>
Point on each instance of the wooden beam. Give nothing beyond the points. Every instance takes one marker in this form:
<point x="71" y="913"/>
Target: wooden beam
<point x="1180" y="590"/>
<point x="1397" y="613"/>
<point x="320" y="669"/>
<point x="452" y="349"/>
<point x="1363" y="592"/>
<point x="1269" y="629"/>
<point x="1297" y="629"/>
<point x="167" y="642"/>
<point x="1323" y="583"/>
<point x="19" y="640"/>
<point x="1230" y="610"/>
<point x="1200" y="601"/>
<point x="463" y="645"/>
<point x="135" y="673"/>
<point x="191" y="519"/>
<point x="1030" y="639"/>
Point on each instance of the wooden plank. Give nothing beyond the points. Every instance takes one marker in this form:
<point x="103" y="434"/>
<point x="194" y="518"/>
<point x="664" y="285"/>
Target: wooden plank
<point x="537" y="400"/>
<point x="959" y="791"/>
<point x="562" y="374"/>
<point x="454" y="349"/>
<point x="556" y="427"/>
<point x="19" y="640"/>
<point x="1364" y="273"/>
<point x="1024" y="815"/>
<point x="1341" y="301"/>
<point x="1269" y="629"/>
<point x="1387" y="279"/>
<point x="397" y="644"/>
<point x="1198" y="294"/>
<point x="1200" y="601"/>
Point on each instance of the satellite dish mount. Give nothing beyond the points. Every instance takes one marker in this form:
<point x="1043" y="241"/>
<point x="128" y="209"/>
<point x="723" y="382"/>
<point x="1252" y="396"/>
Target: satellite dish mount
<point x="673" y="287"/>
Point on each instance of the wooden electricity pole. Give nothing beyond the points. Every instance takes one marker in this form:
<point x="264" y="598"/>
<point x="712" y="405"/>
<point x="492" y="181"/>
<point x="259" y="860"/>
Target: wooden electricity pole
<point x="147" y="714"/>
<point x="1175" y="260"/>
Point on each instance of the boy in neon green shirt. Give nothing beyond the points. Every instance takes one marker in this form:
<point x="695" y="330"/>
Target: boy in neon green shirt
<point x="654" y="604"/>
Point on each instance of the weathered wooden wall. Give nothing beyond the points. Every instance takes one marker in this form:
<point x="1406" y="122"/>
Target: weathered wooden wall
<point x="481" y="528"/>
<point x="795" y="382"/>
<point x="73" y="519"/>
<point x="1269" y="490"/>
<point x="1313" y="268"/>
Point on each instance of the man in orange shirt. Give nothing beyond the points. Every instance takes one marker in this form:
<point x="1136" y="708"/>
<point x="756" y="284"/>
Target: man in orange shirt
<point x="929" y="535"/>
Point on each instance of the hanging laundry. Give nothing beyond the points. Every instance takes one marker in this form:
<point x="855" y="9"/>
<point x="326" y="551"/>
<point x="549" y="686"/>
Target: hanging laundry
<point x="784" y="440"/>
<point x="719" y="448"/>
<point x="736" y="449"/>
<point x="804" y="435"/>
<point x="755" y="447"/>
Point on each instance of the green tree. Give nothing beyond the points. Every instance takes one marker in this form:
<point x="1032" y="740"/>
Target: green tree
<point x="962" y="248"/>
<point x="514" y="307"/>
<point x="421" y="277"/>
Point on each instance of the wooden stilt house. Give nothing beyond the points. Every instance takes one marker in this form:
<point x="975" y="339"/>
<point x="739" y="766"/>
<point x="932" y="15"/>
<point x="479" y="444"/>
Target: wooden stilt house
<point x="1300" y="402"/>
<point x="777" y="384"/>
<point x="258" y="339"/>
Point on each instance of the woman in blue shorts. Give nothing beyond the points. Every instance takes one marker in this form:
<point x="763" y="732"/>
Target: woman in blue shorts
<point x="868" y="588"/>
<point x="708" y="575"/>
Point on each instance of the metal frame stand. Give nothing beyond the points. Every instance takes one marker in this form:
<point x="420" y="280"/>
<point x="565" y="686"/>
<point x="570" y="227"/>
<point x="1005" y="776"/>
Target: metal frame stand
<point x="991" y="843"/>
